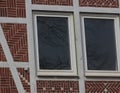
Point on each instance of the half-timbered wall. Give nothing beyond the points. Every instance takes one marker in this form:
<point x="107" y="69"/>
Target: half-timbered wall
<point x="17" y="54"/>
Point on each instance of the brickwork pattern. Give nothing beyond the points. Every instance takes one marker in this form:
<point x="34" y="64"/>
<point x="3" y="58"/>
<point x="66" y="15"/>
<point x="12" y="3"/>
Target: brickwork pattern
<point x="102" y="86"/>
<point x="53" y="2"/>
<point x="57" y="87"/>
<point x="12" y="8"/>
<point x="25" y="78"/>
<point x="7" y="84"/>
<point x="100" y="3"/>
<point x="16" y="36"/>
<point x="2" y="55"/>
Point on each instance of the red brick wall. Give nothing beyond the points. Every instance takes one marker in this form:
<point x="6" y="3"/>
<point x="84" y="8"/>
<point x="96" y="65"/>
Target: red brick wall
<point x="99" y="3"/>
<point x="2" y="55"/>
<point x="7" y="84"/>
<point x="57" y="86"/>
<point x="53" y="2"/>
<point x="25" y="78"/>
<point x="16" y="36"/>
<point x="102" y="86"/>
<point x="12" y="8"/>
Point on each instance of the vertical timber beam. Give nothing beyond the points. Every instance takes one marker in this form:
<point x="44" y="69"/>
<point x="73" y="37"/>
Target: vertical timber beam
<point x="78" y="33"/>
<point x="33" y="85"/>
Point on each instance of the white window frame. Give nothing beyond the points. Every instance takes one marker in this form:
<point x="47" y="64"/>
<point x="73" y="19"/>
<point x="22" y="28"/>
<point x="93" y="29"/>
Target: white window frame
<point x="73" y="71"/>
<point x="103" y="73"/>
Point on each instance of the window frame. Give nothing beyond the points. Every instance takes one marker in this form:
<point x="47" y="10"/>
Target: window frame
<point x="73" y="71"/>
<point x="102" y="73"/>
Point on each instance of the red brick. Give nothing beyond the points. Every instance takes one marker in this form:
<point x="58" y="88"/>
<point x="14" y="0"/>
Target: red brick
<point x="3" y="12"/>
<point x="12" y="12"/>
<point x="2" y="55"/>
<point x="20" y="3"/>
<point x="26" y="76"/>
<point x="99" y="3"/>
<point x="12" y="8"/>
<point x="7" y="84"/>
<point x="3" y="3"/>
<point x="57" y="85"/>
<point x="11" y="3"/>
<point x="21" y="12"/>
<point x="16" y="36"/>
<point x="100" y="86"/>
<point x="53" y="2"/>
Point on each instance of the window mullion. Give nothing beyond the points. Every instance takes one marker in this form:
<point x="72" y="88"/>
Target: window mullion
<point x="117" y="37"/>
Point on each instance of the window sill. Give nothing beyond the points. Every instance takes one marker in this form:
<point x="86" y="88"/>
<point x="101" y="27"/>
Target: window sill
<point x="56" y="73"/>
<point x="102" y="74"/>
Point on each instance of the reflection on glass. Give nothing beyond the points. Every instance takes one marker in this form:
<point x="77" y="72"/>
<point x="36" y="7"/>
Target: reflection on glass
<point x="53" y="40"/>
<point x="100" y="44"/>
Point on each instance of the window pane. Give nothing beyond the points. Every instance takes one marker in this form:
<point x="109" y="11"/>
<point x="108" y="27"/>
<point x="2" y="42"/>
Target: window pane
<point x="53" y="40"/>
<point x="100" y="44"/>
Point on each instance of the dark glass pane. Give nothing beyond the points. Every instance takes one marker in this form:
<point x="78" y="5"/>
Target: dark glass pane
<point x="100" y="44"/>
<point x="53" y="40"/>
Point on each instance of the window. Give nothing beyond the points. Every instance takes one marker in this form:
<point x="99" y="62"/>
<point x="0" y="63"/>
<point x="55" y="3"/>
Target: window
<point x="55" y="47"/>
<point x="101" y="46"/>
